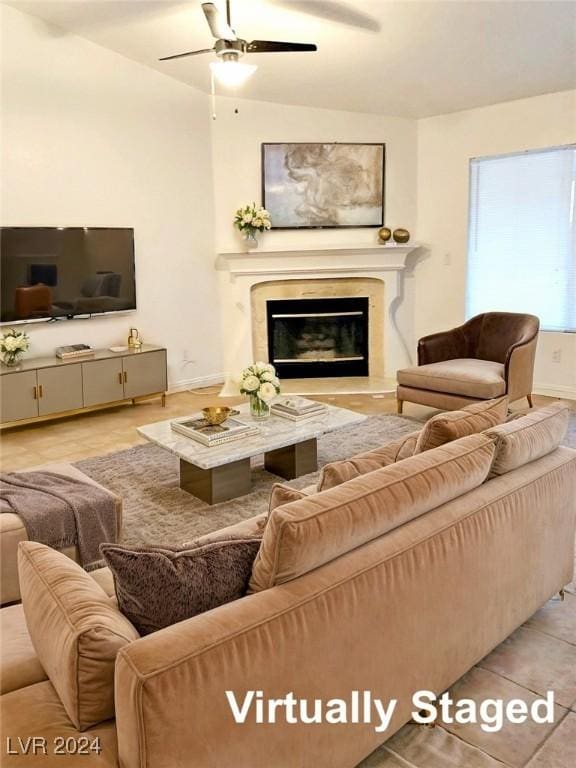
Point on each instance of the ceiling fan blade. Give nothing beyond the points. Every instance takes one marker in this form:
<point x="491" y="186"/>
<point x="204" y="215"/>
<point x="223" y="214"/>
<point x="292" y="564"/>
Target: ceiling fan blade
<point x="269" y="46"/>
<point x="219" y="27"/>
<point x="189" y="53"/>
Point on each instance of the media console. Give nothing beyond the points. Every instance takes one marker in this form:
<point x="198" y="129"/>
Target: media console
<point x="46" y="387"/>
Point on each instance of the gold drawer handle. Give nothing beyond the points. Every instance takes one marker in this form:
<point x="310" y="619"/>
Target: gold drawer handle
<point x="35" y="393"/>
<point x="120" y="377"/>
<point x="40" y="391"/>
<point x="125" y="377"/>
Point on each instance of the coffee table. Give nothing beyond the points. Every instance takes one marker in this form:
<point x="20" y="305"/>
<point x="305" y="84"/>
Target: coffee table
<point x="223" y="471"/>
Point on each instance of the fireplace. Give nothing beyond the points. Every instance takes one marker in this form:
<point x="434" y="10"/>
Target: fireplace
<point x="318" y="337"/>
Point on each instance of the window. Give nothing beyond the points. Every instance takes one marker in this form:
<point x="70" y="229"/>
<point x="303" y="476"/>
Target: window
<point x="521" y="240"/>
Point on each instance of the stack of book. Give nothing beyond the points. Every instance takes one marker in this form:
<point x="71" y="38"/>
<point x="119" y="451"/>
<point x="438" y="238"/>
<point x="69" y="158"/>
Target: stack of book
<point x="73" y="351"/>
<point x="213" y="434"/>
<point x="298" y="408"/>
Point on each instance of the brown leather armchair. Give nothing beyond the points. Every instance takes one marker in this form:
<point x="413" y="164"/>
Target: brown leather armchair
<point x="490" y="355"/>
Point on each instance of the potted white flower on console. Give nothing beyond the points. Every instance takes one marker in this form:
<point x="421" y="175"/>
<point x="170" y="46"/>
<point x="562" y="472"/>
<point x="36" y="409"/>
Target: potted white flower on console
<point x="260" y="383"/>
<point x="12" y="345"/>
<point x="252" y="219"/>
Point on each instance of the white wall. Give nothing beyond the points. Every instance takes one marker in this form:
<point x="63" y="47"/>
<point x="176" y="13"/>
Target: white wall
<point x="445" y="146"/>
<point x="93" y="139"/>
<point x="237" y="177"/>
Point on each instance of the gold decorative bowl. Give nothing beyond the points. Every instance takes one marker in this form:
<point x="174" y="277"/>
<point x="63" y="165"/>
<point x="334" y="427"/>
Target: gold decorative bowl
<point x="401" y="235"/>
<point x="216" y="414"/>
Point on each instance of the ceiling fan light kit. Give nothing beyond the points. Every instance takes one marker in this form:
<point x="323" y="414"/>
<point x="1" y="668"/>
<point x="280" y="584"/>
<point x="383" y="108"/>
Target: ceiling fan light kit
<point x="229" y="48"/>
<point x="231" y="73"/>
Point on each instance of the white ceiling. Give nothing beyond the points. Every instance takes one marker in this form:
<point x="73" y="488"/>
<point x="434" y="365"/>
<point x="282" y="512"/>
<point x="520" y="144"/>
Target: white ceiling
<point x="410" y="58"/>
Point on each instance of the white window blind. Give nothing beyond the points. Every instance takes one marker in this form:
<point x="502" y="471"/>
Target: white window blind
<point x="522" y="236"/>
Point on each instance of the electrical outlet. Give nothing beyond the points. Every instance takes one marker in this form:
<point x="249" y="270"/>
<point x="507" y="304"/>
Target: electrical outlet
<point x="557" y="356"/>
<point x="185" y="356"/>
<point x="447" y="259"/>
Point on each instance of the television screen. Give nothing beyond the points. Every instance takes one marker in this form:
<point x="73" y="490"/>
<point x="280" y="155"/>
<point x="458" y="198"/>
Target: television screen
<point x="52" y="272"/>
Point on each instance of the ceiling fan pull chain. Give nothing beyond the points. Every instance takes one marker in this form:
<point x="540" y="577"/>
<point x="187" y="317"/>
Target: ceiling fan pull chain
<point x="213" y="94"/>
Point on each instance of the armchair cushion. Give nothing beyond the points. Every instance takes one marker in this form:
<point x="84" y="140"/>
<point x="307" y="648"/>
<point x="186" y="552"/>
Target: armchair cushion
<point x="478" y="379"/>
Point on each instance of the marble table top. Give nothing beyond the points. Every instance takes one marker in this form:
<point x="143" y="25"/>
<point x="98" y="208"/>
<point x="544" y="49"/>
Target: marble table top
<point x="273" y="433"/>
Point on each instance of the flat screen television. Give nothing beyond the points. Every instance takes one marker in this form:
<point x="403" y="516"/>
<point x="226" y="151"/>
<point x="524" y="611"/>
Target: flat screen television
<point x="49" y="273"/>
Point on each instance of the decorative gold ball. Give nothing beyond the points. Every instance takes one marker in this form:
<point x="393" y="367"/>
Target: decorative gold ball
<point x="401" y="235"/>
<point x="384" y="234"/>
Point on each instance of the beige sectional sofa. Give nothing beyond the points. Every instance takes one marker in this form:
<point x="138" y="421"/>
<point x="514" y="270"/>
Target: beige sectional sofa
<point x="396" y="580"/>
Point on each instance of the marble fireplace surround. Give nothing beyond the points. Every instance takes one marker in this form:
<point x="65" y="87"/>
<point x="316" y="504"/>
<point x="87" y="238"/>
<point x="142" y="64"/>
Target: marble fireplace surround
<point x="248" y="279"/>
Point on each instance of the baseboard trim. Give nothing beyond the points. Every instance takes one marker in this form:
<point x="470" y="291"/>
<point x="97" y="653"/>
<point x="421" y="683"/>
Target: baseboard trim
<point x="197" y="383"/>
<point x="555" y="390"/>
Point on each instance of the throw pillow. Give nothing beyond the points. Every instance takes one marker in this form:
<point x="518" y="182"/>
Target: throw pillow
<point x="470" y="420"/>
<point x="251" y="528"/>
<point x="341" y="471"/>
<point x="283" y="494"/>
<point x="156" y="586"/>
<point x="528" y="438"/>
<point x="305" y="536"/>
<point x="76" y="631"/>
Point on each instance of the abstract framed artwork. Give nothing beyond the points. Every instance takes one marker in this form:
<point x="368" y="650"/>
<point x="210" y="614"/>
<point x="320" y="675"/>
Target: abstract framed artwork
<point x="323" y="186"/>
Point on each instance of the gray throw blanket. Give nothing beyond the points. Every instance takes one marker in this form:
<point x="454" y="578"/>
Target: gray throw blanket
<point x="61" y="511"/>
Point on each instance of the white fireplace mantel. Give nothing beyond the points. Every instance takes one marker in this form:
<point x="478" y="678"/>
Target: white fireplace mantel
<point x="315" y="261"/>
<point x="239" y="272"/>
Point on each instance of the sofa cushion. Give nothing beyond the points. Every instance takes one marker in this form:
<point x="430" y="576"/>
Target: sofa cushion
<point x="38" y="711"/>
<point x="445" y="427"/>
<point x="251" y="528"/>
<point x="103" y="577"/>
<point x="481" y="379"/>
<point x="76" y="631"/>
<point x="529" y="437"/>
<point x="338" y="472"/>
<point x="19" y="664"/>
<point x="283" y="494"/>
<point x="157" y="587"/>
<point x="309" y="533"/>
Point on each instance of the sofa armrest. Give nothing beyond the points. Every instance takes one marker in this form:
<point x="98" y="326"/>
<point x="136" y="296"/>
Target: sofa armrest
<point x="519" y="369"/>
<point x="445" y="345"/>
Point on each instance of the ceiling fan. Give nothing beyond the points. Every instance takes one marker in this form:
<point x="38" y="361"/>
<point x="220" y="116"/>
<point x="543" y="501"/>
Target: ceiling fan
<point x="230" y="48"/>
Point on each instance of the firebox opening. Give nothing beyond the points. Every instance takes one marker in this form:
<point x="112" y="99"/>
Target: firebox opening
<point x="318" y="337"/>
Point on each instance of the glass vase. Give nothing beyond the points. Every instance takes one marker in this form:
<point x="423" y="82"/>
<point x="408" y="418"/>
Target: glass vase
<point x="250" y="238"/>
<point x="259" y="409"/>
<point x="11" y="358"/>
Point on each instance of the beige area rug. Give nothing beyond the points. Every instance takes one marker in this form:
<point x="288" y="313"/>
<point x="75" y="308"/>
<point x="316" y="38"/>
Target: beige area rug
<point x="157" y="511"/>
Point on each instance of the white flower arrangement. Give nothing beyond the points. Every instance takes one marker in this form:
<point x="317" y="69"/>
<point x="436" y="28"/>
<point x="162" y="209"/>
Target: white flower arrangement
<point x="252" y="219"/>
<point x="260" y="380"/>
<point x="12" y="345"/>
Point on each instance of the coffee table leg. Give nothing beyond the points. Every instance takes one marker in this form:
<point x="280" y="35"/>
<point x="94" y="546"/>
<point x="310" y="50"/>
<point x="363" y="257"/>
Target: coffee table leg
<point x="293" y="460"/>
<point x="217" y="484"/>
